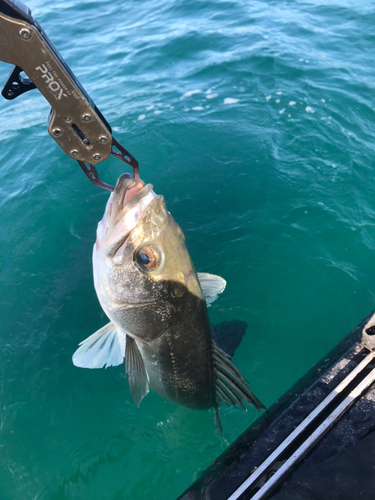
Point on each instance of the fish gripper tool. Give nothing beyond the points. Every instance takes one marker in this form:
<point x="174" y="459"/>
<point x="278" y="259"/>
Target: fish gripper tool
<point x="75" y="123"/>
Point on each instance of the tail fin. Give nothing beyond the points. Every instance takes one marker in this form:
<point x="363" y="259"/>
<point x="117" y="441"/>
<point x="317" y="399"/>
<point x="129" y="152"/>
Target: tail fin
<point x="230" y="386"/>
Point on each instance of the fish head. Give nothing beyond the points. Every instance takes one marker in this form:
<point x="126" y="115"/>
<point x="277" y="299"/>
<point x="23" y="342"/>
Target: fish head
<point x="142" y="268"/>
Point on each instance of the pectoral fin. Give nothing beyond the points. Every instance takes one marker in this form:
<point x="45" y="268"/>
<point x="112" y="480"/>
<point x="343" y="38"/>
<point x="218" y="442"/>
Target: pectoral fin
<point x="212" y="286"/>
<point x="135" y="371"/>
<point x="103" y="348"/>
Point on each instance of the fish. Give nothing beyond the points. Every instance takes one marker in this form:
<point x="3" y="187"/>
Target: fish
<point x="157" y="304"/>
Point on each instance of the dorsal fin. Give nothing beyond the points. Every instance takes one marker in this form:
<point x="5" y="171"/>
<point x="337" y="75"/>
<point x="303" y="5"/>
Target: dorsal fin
<point x="230" y="386"/>
<point x="135" y="371"/>
<point x="211" y="285"/>
<point x="218" y="421"/>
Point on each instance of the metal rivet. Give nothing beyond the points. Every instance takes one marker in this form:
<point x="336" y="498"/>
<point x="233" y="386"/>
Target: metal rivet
<point x="103" y="139"/>
<point x="25" y="33"/>
<point x="56" y="131"/>
<point x="74" y="152"/>
<point x="68" y="119"/>
<point x="96" y="156"/>
<point x="86" y="117"/>
<point x="15" y="85"/>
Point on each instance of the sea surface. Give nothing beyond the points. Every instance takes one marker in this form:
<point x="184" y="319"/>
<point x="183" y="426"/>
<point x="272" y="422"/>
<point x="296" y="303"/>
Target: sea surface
<point x="256" y="121"/>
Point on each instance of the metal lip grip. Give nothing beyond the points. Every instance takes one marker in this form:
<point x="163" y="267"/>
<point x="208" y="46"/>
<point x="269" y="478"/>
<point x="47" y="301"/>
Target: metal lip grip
<point x="75" y="123"/>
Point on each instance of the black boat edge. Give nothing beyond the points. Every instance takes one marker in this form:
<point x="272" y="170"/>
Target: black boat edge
<point x="228" y="476"/>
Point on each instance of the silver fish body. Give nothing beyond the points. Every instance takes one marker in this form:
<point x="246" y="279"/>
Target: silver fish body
<point x="148" y="287"/>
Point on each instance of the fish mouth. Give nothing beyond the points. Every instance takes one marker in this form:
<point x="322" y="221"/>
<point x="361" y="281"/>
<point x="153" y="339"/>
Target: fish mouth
<point x="125" y="207"/>
<point x="126" y="194"/>
<point x="126" y="189"/>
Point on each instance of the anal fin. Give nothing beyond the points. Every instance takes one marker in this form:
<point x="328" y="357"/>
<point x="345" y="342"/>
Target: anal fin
<point x="135" y="371"/>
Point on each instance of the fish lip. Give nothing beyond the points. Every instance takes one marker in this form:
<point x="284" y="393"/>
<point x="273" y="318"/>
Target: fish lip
<point x="132" y="203"/>
<point x="120" y="190"/>
<point x="124" y="183"/>
<point x="119" y="221"/>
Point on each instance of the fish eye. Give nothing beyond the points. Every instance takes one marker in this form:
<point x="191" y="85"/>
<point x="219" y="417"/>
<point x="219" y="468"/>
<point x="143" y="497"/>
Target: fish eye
<point x="148" y="258"/>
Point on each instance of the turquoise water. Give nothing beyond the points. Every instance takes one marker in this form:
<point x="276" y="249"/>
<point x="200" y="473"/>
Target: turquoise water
<point x="255" y="120"/>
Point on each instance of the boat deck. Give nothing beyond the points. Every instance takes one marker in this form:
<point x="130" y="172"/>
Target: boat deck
<point x="316" y="442"/>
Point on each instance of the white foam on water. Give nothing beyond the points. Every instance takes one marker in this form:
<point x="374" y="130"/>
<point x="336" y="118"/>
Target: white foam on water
<point x="159" y="104"/>
<point x="186" y="109"/>
<point x="279" y="93"/>
<point x="292" y="103"/>
<point x="323" y="100"/>
<point x="150" y="108"/>
<point x="308" y="109"/>
<point x="157" y="112"/>
<point x="281" y="111"/>
<point x="73" y="233"/>
<point x="300" y="60"/>
<point x="230" y="100"/>
<point x="277" y="101"/>
<point x="268" y="98"/>
<point x="211" y="96"/>
<point x="207" y="107"/>
<point x="190" y="93"/>
<point x="141" y="117"/>
<point x="197" y="108"/>
<point x="289" y="116"/>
